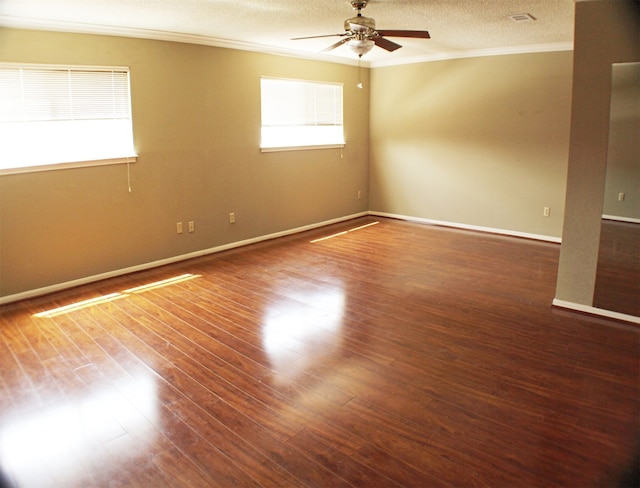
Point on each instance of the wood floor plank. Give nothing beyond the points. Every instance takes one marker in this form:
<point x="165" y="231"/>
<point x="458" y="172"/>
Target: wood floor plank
<point x="180" y="470"/>
<point x="189" y="369"/>
<point x="213" y="462"/>
<point x="212" y="465"/>
<point x="265" y="471"/>
<point x="337" y="462"/>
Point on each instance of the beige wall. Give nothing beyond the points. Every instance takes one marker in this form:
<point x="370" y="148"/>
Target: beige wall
<point x="196" y="117"/>
<point x="606" y="32"/>
<point x="478" y="141"/>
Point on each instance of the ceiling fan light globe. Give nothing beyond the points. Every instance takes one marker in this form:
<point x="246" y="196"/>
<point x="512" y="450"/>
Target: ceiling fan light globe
<point x="361" y="46"/>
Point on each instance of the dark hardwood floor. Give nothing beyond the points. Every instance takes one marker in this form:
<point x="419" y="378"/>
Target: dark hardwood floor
<point x="396" y="354"/>
<point x="617" y="285"/>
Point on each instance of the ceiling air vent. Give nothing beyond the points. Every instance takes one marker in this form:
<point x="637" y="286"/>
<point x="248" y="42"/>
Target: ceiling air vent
<point x="521" y="18"/>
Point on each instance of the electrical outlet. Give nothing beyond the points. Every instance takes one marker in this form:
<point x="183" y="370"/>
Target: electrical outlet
<point x="359" y="194"/>
<point x="192" y="226"/>
<point x="621" y="197"/>
<point x="232" y="218"/>
<point x="546" y="212"/>
<point x="179" y="227"/>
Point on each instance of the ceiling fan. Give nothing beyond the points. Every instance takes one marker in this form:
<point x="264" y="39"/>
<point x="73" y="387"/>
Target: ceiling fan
<point x="361" y="35"/>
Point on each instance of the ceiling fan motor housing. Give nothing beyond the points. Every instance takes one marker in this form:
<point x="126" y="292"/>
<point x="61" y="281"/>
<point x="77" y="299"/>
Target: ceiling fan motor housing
<point x="360" y="24"/>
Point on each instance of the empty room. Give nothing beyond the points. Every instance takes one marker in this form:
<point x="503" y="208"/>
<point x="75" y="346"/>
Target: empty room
<point x="316" y="244"/>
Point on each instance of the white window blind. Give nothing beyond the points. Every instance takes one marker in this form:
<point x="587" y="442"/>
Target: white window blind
<point x="57" y="114"/>
<point x="300" y="113"/>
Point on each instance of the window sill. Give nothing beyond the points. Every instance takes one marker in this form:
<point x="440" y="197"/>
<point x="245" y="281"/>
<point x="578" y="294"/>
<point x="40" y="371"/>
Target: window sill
<point x="74" y="164"/>
<point x="301" y="148"/>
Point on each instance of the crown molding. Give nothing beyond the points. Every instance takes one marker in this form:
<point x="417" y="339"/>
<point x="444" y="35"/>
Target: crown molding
<point x="476" y="53"/>
<point x="159" y="35"/>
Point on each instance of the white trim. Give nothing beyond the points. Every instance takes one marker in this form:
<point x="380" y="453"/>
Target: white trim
<point x="162" y="262"/>
<point x="83" y="67"/>
<point x="456" y="225"/>
<point x="301" y="148"/>
<point x="75" y="164"/>
<point x="595" y="311"/>
<point x="38" y="24"/>
<point x="628" y="220"/>
<point x="476" y="53"/>
<point x="158" y="35"/>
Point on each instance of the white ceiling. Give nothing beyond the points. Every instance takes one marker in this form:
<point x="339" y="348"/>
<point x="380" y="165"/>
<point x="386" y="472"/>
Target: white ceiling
<point x="458" y="27"/>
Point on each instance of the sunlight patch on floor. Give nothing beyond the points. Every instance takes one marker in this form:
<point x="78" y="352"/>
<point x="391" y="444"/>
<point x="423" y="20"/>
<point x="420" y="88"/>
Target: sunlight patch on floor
<point x="114" y="296"/>
<point x="344" y="232"/>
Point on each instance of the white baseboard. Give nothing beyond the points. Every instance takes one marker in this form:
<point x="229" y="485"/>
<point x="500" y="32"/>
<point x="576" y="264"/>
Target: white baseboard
<point x="162" y="262"/>
<point x="489" y="230"/>
<point x="628" y="220"/>
<point x="578" y="307"/>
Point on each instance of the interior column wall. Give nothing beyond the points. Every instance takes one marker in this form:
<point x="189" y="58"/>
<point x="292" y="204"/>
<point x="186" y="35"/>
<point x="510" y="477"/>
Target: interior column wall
<point x="605" y="32"/>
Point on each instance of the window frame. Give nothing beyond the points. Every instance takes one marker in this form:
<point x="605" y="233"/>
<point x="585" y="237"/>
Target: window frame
<point x="127" y="156"/>
<point x="302" y="147"/>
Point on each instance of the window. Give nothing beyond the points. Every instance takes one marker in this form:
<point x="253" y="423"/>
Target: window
<point x="57" y="116"/>
<point x="300" y="114"/>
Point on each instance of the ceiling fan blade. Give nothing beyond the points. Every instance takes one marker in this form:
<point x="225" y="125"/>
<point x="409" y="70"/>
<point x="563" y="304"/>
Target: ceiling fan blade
<point x="335" y="45"/>
<point x="315" y="37"/>
<point x="404" y="33"/>
<point x="385" y="43"/>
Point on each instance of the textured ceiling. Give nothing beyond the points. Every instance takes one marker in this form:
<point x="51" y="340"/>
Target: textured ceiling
<point x="457" y="27"/>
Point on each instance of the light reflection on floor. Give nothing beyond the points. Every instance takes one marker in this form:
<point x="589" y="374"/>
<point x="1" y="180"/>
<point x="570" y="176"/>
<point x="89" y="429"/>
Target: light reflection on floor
<point x="114" y="296"/>
<point x="344" y="232"/>
<point x="50" y="443"/>
<point x="47" y="445"/>
<point x="296" y="336"/>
